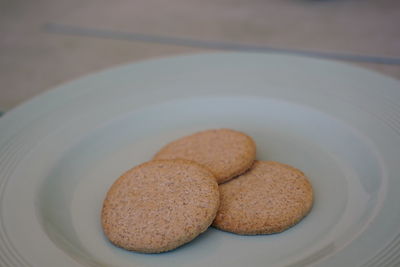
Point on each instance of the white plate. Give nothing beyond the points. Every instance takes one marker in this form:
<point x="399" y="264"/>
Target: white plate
<point x="61" y="151"/>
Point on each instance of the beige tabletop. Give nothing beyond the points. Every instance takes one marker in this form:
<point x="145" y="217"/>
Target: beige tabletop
<point x="47" y="42"/>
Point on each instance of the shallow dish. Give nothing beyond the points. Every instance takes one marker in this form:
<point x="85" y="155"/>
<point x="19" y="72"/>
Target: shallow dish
<point x="60" y="152"/>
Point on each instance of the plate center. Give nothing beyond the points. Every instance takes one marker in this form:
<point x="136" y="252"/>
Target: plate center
<point x="337" y="159"/>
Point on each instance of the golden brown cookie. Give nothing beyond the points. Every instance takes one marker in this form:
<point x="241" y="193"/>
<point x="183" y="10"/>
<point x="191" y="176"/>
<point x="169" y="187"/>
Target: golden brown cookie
<point x="160" y="205"/>
<point x="269" y="198"/>
<point x="226" y="153"/>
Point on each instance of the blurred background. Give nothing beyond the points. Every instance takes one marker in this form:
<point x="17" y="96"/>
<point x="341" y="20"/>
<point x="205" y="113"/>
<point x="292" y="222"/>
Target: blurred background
<point x="47" y="42"/>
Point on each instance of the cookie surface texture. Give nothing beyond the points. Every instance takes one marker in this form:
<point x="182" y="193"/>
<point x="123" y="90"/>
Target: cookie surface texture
<point x="269" y="198"/>
<point x="160" y="205"/>
<point x="225" y="152"/>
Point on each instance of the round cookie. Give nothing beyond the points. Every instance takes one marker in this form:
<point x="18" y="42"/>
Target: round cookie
<point x="160" y="205"/>
<point x="269" y="198"/>
<point x="226" y="153"/>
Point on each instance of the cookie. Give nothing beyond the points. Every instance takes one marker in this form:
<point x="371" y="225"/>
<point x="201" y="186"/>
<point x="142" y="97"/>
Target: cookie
<point x="226" y="153"/>
<point x="160" y="205"/>
<point x="269" y="198"/>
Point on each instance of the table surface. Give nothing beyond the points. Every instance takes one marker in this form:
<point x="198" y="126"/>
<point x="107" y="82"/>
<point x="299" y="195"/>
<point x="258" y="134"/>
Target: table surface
<point x="48" y="42"/>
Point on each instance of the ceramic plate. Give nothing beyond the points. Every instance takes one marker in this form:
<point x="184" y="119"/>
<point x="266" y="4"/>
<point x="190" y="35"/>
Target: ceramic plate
<point x="60" y="152"/>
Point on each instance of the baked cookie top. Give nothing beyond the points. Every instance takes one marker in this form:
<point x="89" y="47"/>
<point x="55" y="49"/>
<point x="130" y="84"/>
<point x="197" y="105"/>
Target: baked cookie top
<point x="160" y="205"/>
<point x="269" y="198"/>
<point x="225" y="152"/>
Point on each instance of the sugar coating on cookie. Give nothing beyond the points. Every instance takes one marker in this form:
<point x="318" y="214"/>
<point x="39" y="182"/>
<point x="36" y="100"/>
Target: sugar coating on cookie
<point x="225" y="152"/>
<point x="269" y="198"/>
<point x="160" y="205"/>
